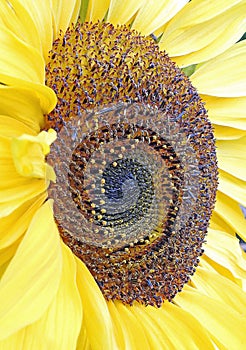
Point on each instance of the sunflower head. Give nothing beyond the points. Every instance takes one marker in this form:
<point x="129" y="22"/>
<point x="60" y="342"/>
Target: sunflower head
<point x="135" y="162"/>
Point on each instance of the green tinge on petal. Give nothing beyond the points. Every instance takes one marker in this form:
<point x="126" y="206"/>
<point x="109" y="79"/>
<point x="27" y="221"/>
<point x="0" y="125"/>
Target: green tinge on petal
<point x="32" y="278"/>
<point x="120" y="12"/>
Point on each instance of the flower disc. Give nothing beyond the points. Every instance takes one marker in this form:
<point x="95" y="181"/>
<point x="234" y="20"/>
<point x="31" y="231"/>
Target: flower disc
<point x="135" y="162"/>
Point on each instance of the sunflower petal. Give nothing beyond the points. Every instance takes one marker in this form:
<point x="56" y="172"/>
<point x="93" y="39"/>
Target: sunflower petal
<point x="226" y="111"/>
<point x="6" y="254"/>
<point x="19" y="59"/>
<point x="20" y="95"/>
<point x="154" y="14"/>
<point x="123" y="337"/>
<point x="64" y="13"/>
<point x="96" y="10"/>
<point x="183" y="329"/>
<point x="58" y="328"/>
<point x="224" y="75"/>
<point x="230" y="211"/>
<point x="225" y="324"/>
<point x="231" y="157"/>
<point x="232" y="187"/>
<point x="219" y="288"/>
<point x="15" y="17"/>
<point x="29" y="155"/>
<point x="15" y="189"/>
<point x="227" y="133"/>
<point x="136" y="334"/>
<point x="152" y="325"/>
<point x="60" y="325"/>
<point x="95" y="311"/>
<point x="32" y="275"/>
<point x="16" y="224"/>
<point x="41" y="15"/>
<point x="201" y="31"/>
<point x="225" y="250"/>
<point x="121" y="12"/>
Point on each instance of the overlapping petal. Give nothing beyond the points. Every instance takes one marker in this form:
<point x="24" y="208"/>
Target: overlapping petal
<point x="95" y="312"/>
<point x="197" y="34"/>
<point x="67" y="308"/>
<point x="224" y="75"/>
<point x="222" y="321"/>
<point x="29" y="285"/>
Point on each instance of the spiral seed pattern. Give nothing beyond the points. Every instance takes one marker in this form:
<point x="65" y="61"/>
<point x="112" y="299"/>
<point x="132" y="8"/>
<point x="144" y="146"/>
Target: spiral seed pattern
<point x="135" y="162"/>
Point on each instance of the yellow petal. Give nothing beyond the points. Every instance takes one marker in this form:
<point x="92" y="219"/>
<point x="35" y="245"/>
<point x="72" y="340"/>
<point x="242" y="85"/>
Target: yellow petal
<point x="121" y="12"/>
<point x="15" y="17"/>
<point x="59" y="326"/>
<point x="11" y="127"/>
<point x="83" y="341"/>
<point x="32" y="278"/>
<point x="16" y="224"/>
<point x="231" y="157"/>
<point x="184" y="331"/>
<point x="227" y="133"/>
<point x="219" y="288"/>
<point x="6" y="254"/>
<point x="95" y="311"/>
<point x="133" y="330"/>
<point x="123" y="336"/>
<point x="202" y="30"/>
<point x="225" y="39"/>
<point x="224" y="75"/>
<point x="232" y="187"/>
<point x="225" y="324"/>
<point x="64" y="13"/>
<point x="19" y="59"/>
<point x="29" y="155"/>
<point x="41" y="15"/>
<point x="96" y="9"/>
<point x="23" y="94"/>
<point x="225" y="250"/>
<point x="154" y="14"/>
<point x="226" y="111"/>
<point x="230" y="211"/>
<point x="157" y="338"/>
<point x="15" y="189"/>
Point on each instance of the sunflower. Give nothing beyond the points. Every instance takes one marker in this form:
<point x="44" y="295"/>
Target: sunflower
<point x="64" y="80"/>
